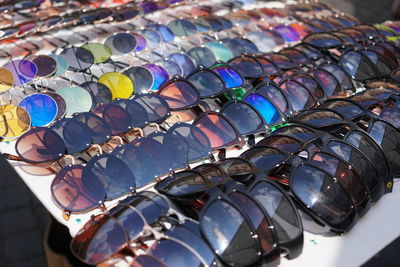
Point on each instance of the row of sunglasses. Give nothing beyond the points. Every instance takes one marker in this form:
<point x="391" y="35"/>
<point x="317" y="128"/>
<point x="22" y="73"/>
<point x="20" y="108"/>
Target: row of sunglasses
<point x="329" y="163"/>
<point x="334" y="161"/>
<point x="266" y="27"/>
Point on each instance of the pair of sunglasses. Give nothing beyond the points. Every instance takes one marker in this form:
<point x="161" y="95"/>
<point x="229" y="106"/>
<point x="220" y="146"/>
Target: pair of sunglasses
<point x="293" y="137"/>
<point x="189" y="190"/>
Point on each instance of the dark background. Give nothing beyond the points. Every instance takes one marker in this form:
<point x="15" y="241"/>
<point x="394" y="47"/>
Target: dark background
<point x="23" y="219"/>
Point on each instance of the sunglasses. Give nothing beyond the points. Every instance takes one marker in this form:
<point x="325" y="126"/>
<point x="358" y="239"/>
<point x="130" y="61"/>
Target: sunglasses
<point x="353" y="134"/>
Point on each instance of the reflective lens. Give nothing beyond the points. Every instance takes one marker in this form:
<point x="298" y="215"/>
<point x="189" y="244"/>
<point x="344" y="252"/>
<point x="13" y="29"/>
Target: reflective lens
<point x="41" y="108"/>
<point x="264" y="107"/>
<point x="76" y="98"/>
<point x="22" y="70"/>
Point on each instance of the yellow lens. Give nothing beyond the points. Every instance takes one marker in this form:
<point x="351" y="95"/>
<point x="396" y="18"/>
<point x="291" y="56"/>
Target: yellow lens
<point x="119" y="84"/>
<point x="14" y="121"/>
<point x="100" y="52"/>
<point x="6" y="80"/>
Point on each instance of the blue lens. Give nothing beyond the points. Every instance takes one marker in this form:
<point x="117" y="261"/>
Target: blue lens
<point x="166" y="34"/>
<point x="184" y="61"/>
<point x="231" y="78"/>
<point x="41" y="108"/>
<point x="153" y="38"/>
<point x="221" y="51"/>
<point x="264" y="107"/>
<point x="160" y="75"/>
<point x="171" y="67"/>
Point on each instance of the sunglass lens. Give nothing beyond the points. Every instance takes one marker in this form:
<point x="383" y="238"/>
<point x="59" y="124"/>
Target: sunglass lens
<point x="207" y="83"/>
<point x="85" y="245"/>
<point x="182" y="27"/>
<point x="121" y="43"/>
<point x="40" y="145"/>
<point x="244" y="117"/>
<point x="41" y="108"/>
<point x="247" y="66"/>
<point x="218" y="130"/>
<point x="229" y="234"/>
<point x="157" y="109"/>
<point x="230" y="76"/>
<point x="160" y="75"/>
<point x="146" y="260"/>
<point x="72" y="194"/>
<point x="179" y="95"/>
<point x="78" y="58"/>
<point x="141" y="77"/>
<point x="358" y="66"/>
<point x="113" y="173"/>
<point x="99" y="129"/>
<point x="184" y="61"/>
<point x="202" y="56"/>
<point x="297" y="95"/>
<point x="22" y="70"/>
<point x="100" y="93"/>
<point x="264" y="107"/>
<point x="263" y="158"/>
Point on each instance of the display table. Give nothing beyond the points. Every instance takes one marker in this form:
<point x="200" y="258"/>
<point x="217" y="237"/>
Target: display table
<point x="374" y="231"/>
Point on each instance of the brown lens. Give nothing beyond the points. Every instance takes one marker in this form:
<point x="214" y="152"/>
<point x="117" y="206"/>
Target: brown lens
<point x="218" y="130"/>
<point x="72" y="194"/>
<point x="40" y="145"/>
<point x="179" y="95"/>
<point x="99" y="239"/>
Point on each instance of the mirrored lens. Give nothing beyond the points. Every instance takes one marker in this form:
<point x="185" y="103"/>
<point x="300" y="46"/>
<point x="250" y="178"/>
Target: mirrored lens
<point x="41" y="108"/>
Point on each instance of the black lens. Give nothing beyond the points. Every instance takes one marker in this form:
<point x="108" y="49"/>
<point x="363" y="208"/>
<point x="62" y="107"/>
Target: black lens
<point x="173" y="253"/>
<point x="320" y="118"/>
<point x="195" y="143"/>
<point x="264" y="158"/>
<point x="248" y="67"/>
<point x="157" y="108"/>
<point x="113" y="173"/>
<point x="164" y="206"/>
<point x="248" y="46"/>
<point x="275" y="95"/>
<point x="371" y="150"/>
<point x="257" y="218"/>
<point x="77" y="137"/>
<point x="116" y="117"/>
<point x="342" y="77"/>
<point x="246" y="119"/>
<point x="328" y="82"/>
<point x="129" y="219"/>
<point x="121" y="43"/>
<point x="99" y="92"/>
<point x="349" y="179"/>
<point x="137" y="112"/>
<point x="202" y="56"/>
<point x="212" y="172"/>
<point x="382" y="65"/>
<point x="141" y="77"/>
<point x="310" y="83"/>
<point x="207" y="83"/>
<point x="323" y="40"/>
<point x="388" y="138"/>
<point x="78" y="58"/>
<point x="282" y="61"/>
<point x="358" y="66"/>
<point x="361" y="164"/>
<point x="346" y="109"/>
<point x="281" y="211"/>
<point x="183" y="183"/>
<point x="229" y="234"/>
<point x="281" y="142"/>
<point x="323" y="196"/>
<point x="296" y="55"/>
<point x="309" y="51"/>
<point x="233" y="166"/>
<point x="194" y="241"/>
<point x="184" y="61"/>
<point x="299" y="132"/>
<point x="297" y="95"/>
<point x="162" y="153"/>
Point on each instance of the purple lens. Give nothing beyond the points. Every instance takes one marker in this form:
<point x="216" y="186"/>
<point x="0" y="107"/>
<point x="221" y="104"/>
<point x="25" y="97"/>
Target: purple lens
<point x="230" y="76"/>
<point x="61" y="105"/>
<point x="22" y="70"/>
<point x="141" y="42"/>
<point x="288" y="33"/>
<point x="160" y="75"/>
<point x="46" y="65"/>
